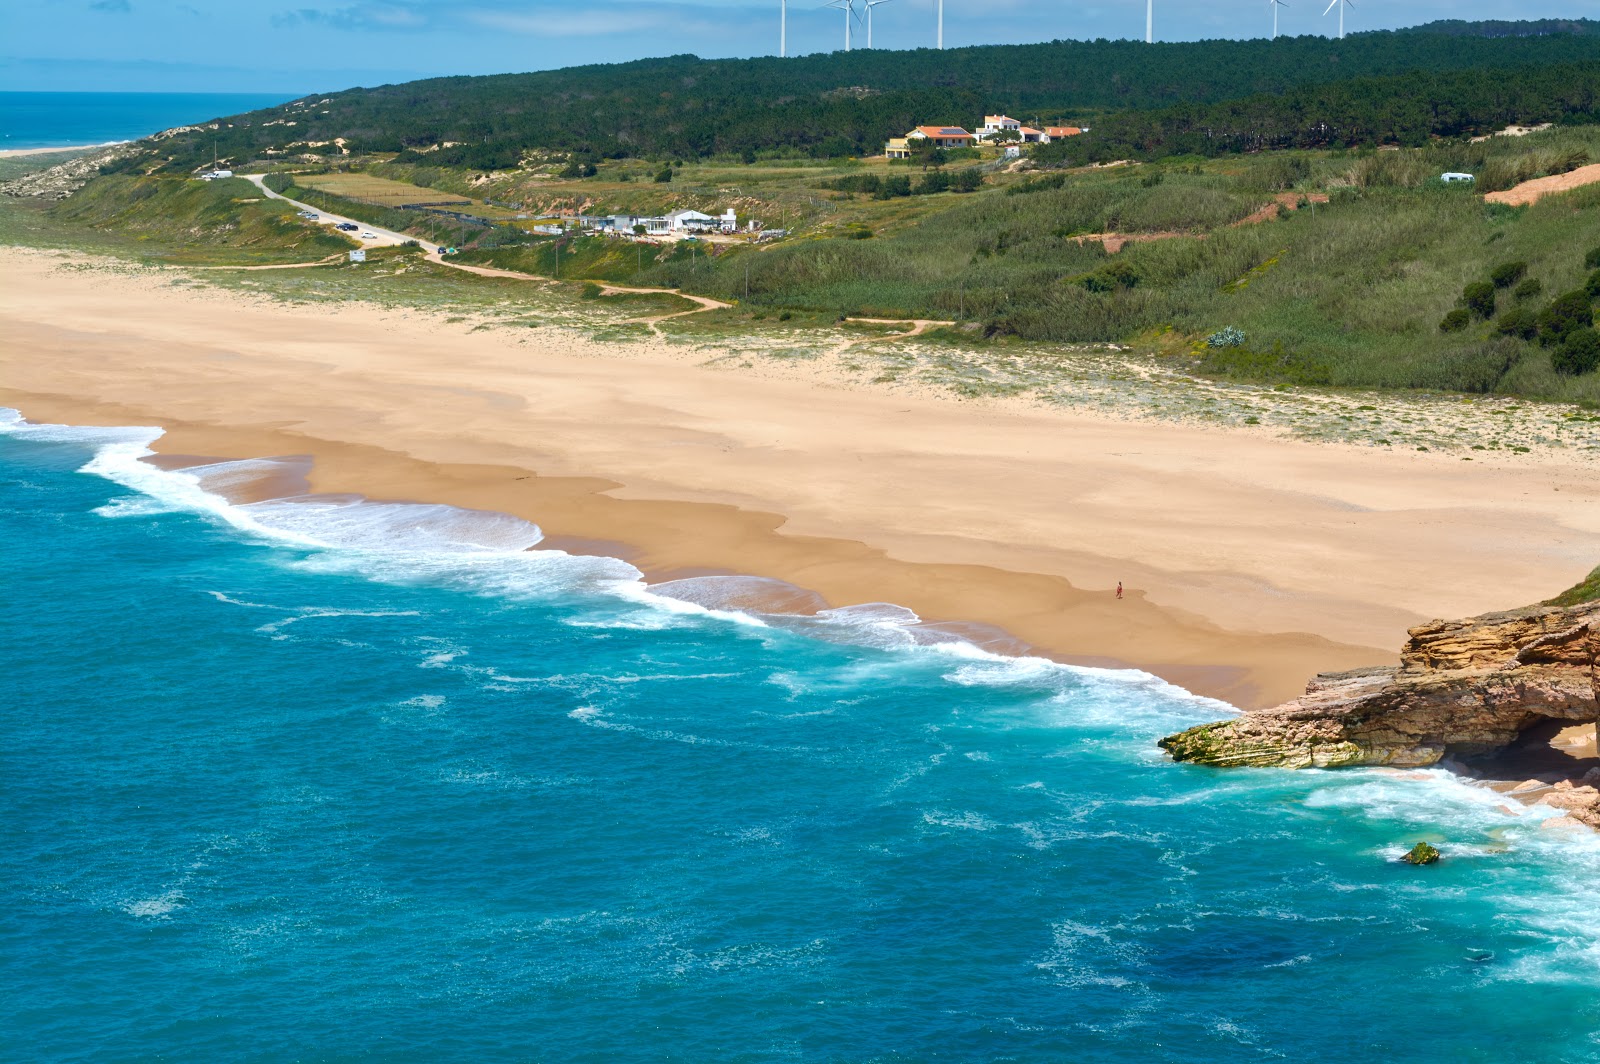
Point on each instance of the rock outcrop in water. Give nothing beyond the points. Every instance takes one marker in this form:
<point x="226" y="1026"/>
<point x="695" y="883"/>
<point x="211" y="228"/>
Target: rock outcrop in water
<point x="1462" y="689"/>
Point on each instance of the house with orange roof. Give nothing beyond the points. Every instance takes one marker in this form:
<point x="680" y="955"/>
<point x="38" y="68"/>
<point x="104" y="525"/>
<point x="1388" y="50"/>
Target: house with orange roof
<point x="1060" y="132"/>
<point x="943" y="136"/>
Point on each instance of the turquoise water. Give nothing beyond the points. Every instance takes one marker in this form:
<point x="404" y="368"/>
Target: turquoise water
<point x="58" y="119"/>
<point x="329" y="780"/>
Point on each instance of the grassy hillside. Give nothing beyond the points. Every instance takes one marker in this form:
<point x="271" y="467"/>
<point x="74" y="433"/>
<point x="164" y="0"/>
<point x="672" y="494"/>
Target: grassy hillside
<point x="822" y="105"/>
<point x="198" y="221"/>
<point x="1349" y="290"/>
<point x="1587" y="591"/>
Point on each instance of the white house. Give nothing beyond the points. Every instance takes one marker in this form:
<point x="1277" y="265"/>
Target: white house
<point x="993" y="124"/>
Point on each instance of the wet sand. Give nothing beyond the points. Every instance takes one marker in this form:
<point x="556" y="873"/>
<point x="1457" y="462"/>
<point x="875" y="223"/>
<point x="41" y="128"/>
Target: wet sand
<point x="1251" y="562"/>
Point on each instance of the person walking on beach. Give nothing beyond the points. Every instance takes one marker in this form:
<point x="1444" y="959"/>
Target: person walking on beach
<point x="1119" y="589"/>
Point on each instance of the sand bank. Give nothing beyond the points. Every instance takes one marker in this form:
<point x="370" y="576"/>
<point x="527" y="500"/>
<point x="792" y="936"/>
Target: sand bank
<point x="17" y="153"/>
<point x="1250" y="561"/>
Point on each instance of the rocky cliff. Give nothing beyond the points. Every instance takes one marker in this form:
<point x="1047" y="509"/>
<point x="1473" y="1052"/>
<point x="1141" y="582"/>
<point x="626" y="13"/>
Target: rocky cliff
<point x="1463" y="688"/>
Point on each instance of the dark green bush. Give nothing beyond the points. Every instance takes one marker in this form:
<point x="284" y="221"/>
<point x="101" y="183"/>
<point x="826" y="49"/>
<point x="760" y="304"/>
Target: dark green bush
<point x="1113" y="275"/>
<point x="1527" y="289"/>
<point x="1591" y="261"/>
<point x="1565" y="314"/>
<point x="1455" y="321"/>
<point x="1519" y="322"/>
<point x="1508" y="273"/>
<point x="1592" y="285"/>
<point x="1580" y="353"/>
<point x="664" y="175"/>
<point x="1478" y="297"/>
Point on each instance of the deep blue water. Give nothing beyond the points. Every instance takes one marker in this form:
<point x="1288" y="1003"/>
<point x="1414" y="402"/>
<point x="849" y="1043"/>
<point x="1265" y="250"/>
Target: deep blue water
<point x="399" y="798"/>
<point x="52" y="119"/>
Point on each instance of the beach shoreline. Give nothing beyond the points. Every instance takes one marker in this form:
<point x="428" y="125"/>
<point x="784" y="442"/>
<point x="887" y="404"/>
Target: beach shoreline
<point x="1251" y="562"/>
<point x="19" y="153"/>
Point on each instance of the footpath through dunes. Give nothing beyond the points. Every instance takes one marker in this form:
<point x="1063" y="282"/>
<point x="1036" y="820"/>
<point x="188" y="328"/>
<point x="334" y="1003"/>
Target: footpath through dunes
<point x="1532" y="191"/>
<point x="1251" y="561"/>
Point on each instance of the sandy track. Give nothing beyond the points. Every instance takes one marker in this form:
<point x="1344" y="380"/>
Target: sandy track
<point x="1532" y="191"/>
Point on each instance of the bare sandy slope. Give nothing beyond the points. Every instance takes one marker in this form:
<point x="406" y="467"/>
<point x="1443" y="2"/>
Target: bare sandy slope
<point x="1251" y="561"/>
<point x="16" y="153"/>
<point x="1531" y="191"/>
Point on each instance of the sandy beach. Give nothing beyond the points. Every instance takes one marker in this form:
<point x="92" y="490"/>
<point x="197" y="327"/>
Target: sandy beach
<point x="1250" y="561"/>
<point x="17" y="153"/>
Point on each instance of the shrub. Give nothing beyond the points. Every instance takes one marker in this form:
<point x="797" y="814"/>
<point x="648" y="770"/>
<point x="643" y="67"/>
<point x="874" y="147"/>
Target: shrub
<point x="1508" y="273"/>
<point x="1592" y="285"/>
<point x="1519" y="322"/>
<point x="1591" y="261"/>
<point x="1111" y="276"/>
<point x="1228" y="337"/>
<point x="1579" y="354"/>
<point x="664" y="175"/>
<point x="1455" y="321"/>
<point x="1565" y="315"/>
<point x="1478" y="297"/>
<point x="1527" y="289"/>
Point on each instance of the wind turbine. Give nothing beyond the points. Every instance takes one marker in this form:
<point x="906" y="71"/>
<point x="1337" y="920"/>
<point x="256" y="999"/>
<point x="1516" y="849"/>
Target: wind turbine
<point x="1149" y="21"/>
<point x="1341" y="5"/>
<point x="1275" y="4"/>
<point x="941" y="25"/>
<point x="849" y="9"/>
<point x="783" y="28"/>
<point x="869" y="5"/>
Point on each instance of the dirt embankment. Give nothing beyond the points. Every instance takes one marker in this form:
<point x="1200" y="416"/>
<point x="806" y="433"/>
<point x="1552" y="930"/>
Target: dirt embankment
<point x="1531" y="191"/>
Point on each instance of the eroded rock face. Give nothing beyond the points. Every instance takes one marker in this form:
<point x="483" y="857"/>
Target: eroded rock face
<point x="1462" y="688"/>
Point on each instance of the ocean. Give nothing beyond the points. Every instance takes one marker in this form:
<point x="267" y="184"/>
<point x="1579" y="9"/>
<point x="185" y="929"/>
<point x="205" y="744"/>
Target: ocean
<point x="62" y="119"/>
<point x="324" y="779"/>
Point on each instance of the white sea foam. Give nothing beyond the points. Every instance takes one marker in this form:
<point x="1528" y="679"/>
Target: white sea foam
<point x="489" y="553"/>
<point x="157" y="907"/>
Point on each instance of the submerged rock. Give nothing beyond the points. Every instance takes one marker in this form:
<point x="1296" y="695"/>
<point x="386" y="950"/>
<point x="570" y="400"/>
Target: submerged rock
<point x="1421" y="854"/>
<point x="1462" y="688"/>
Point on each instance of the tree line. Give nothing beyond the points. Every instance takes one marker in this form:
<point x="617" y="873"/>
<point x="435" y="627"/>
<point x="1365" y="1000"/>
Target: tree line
<point x="847" y="103"/>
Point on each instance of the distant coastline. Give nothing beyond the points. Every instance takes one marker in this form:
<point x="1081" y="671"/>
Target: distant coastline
<point x="58" y="121"/>
<point x="17" y="153"/>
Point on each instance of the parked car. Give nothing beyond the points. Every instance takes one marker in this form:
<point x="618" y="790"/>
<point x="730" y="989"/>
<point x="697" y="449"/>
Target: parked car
<point x="348" y="227"/>
<point x="369" y="235"/>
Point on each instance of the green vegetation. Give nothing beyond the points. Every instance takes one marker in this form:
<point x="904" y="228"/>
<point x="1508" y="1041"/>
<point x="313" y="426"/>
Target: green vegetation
<point x="1406" y="109"/>
<point x="842" y="104"/>
<point x="198" y="221"/>
<point x="1346" y="267"/>
<point x="1586" y="591"/>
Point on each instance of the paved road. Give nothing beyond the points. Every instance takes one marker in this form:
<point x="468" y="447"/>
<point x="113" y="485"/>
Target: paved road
<point x="388" y="238"/>
<point x="381" y="238"/>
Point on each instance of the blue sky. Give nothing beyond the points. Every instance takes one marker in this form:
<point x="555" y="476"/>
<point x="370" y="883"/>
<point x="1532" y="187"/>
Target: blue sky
<point x="301" y="46"/>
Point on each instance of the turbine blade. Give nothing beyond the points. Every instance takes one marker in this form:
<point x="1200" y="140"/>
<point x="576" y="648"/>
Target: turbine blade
<point x="1332" y="6"/>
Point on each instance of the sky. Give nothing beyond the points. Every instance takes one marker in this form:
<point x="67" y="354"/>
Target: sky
<point x="303" y="46"/>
